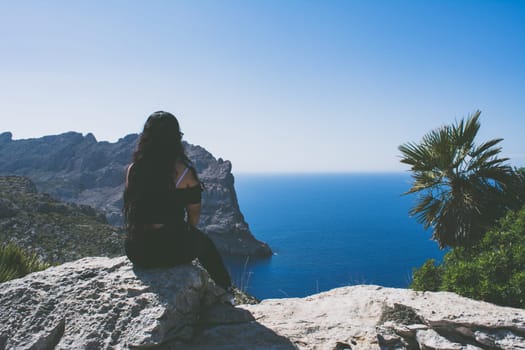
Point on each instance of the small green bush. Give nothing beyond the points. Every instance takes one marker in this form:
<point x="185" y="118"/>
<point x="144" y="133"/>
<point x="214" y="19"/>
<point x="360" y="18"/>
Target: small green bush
<point x="428" y="277"/>
<point x="492" y="270"/>
<point x="15" y="262"/>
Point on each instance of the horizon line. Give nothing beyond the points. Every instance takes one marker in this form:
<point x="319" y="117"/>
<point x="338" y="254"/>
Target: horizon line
<point x="321" y="172"/>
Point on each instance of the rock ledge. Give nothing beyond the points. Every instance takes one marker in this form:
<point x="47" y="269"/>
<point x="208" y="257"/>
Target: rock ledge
<point x="102" y="303"/>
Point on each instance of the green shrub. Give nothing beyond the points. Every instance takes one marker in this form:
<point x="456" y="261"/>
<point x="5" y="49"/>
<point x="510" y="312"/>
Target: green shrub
<point x="428" y="277"/>
<point x="492" y="270"/>
<point x="15" y="262"/>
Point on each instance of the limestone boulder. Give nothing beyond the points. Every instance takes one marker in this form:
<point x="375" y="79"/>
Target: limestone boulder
<point x="372" y="317"/>
<point x="102" y="303"/>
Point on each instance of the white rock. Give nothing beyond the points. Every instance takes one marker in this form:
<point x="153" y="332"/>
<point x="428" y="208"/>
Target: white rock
<point x="101" y="303"/>
<point x="430" y="339"/>
<point x="351" y="315"/>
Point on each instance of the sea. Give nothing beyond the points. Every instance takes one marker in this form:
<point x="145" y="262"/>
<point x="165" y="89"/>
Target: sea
<point x="329" y="231"/>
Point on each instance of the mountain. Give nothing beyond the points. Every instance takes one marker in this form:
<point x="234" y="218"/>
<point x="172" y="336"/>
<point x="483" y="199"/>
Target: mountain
<point x="79" y="169"/>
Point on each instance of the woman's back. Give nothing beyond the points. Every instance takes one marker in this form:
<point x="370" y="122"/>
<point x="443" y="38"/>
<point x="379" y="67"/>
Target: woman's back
<point x="160" y="206"/>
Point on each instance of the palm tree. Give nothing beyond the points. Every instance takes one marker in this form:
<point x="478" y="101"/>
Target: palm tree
<point x="460" y="186"/>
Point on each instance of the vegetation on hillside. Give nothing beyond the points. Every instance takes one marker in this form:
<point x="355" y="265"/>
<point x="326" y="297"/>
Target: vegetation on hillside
<point x="15" y="262"/>
<point x="54" y="230"/>
<point x="472" y="200"/>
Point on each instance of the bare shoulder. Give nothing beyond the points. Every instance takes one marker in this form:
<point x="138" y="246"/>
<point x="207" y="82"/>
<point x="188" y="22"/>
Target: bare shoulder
<point x="191" y="180"/>
<point x="188" y="179"/>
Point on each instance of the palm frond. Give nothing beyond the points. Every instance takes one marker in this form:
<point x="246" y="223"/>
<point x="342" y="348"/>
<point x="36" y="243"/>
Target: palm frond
<point x="477" y="151"/>
<point x="470" y="130"/>
<point x="460" y="185"/>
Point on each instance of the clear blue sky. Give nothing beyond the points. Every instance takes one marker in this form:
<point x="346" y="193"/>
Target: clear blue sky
<point x="290" y="86"/>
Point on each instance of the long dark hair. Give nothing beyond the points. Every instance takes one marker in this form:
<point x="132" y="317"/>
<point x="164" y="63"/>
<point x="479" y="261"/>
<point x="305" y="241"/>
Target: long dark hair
<point x="158" y="149"/>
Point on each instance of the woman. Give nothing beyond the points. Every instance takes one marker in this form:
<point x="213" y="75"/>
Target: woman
<point x="162" y="203"/>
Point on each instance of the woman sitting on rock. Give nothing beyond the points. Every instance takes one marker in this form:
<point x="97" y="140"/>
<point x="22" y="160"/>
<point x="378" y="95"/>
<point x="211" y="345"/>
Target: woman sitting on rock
<point x="162" y="204"/>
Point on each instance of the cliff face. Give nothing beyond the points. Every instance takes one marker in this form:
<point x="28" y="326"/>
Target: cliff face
<point x="78" y="169"/>
<point x="102" y="303"/>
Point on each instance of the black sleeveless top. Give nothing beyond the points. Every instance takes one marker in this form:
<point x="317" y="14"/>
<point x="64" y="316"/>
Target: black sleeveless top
<point x="166" y="207"/>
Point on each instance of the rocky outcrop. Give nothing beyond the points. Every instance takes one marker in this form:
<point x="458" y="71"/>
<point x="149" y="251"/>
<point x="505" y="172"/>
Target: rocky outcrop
<point x="374" y="317"/>
<point x="76" y="168"/>
<point x="102" y="303"/>
<point x="221" y="217"/>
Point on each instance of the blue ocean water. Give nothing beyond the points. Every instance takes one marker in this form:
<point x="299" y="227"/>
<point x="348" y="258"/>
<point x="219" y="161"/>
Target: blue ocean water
<point x="329" y="230"/>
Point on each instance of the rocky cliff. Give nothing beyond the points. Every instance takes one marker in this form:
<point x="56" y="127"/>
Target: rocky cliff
<point x="78" y="169"/>
<point x="102" y="303"/>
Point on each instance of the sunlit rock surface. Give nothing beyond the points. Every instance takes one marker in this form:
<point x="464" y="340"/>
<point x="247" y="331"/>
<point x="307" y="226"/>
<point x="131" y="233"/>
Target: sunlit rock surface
<point x="373" y="317"/>
<point x="102" y="303"/>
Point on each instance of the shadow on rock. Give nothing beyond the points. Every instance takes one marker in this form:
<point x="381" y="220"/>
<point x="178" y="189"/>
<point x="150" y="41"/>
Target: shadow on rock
<point x="203" y="322"/>
<point x="225" y="327"/>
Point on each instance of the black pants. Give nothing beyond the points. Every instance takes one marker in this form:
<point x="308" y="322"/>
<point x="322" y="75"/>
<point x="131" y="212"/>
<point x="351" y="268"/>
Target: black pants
<point x="171" y="246"/>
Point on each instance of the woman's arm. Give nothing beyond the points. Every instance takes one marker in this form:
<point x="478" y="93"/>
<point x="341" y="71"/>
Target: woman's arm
<point x="193" y="206"/>
<point x="194" y="213"/>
